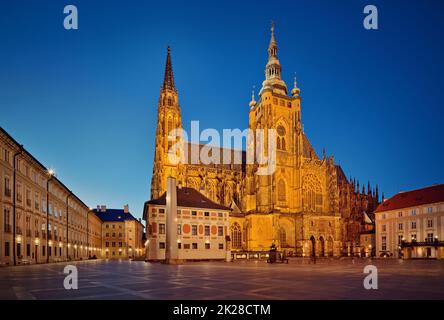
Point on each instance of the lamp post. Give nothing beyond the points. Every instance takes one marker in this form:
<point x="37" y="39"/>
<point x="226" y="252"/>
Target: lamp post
<point x="67" y="224"/>
<point x="50" y="176"/>
<point x="14" y="196"/>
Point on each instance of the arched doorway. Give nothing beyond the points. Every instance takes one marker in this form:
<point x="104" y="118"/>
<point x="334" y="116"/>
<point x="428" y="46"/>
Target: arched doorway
<point x="313" y="246"/>
<point x="330" y="245"/>
<point x="322" y="249"/>
<point x="282" y="238"/>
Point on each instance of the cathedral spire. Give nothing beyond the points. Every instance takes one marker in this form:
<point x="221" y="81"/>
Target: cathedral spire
<point x="272" y="47"/>
<point x="273" y="80"/>
<point x="168" y="81"/>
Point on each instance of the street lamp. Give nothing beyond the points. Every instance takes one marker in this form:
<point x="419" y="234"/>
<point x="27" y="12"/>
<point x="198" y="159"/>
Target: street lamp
<point x="51" y="174"/>
<point x="14" y="199"/>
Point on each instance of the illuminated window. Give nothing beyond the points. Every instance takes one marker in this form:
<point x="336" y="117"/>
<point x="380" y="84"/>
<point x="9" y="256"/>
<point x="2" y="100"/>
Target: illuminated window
<point x="281" y="190"/>
<point x="282" y="237"/>
<point x="236" y="236"/>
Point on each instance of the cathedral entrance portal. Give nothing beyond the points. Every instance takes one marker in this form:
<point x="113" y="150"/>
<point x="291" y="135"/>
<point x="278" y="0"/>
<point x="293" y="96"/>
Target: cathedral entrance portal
<point x="322" y="251"/>
<point x="313" y="246"/>
<point x="330" y="247"/>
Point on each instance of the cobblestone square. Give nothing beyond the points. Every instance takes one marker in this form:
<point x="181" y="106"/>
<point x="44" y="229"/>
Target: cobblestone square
<point x="327" y="279"/>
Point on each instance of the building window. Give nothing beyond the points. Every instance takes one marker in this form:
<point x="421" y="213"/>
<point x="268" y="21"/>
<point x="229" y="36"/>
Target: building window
<point x="28" y="198"/>
<point x="113" y="244"/>
<point x="179" y="229"/>
<point x="161" y="245"/>
<point x="6" y="220"/>
<point x="413" y="224"/>
<point x="236" y="236"/>
<point x="207" y="214"/>
<point x="107" y="244"/>
<point x="282" y="237"/>
<point x="194" y="230"/>
<point x="414" y="212"/>
<point x="429" y="237"/>
<point x="220" y="231"/>
<point x="383" y="228"/>
<point x="429" y="210"/>
<point x="161" y="210"/>
<point x="7" y="187"/>
<point x="220" y="215"/>
<point x="36" y="201"/>
<point x="400" y="226"/>
<point x="281" y="191"/>
<point x="429" y="223"/>
<point x="161" y="228"/>
<point x="194" y="245"/>
<point x="7" y="249"/>
<point x="186" y="246"/>
<point x="399" y="214"/>
<point x="179" y="245"/>
<point x="207" y="246"/>
<point x="414" y="237"/>
<point x="400" y="237"/>
<point x="194" y="213"/>
<point x="221" y="246"/>
<point x="19" y="193"/>
<point x="207" y="230"/>
<point x="384" y="243"/>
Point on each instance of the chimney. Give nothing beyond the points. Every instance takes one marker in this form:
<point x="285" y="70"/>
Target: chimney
<point x="126" y="208"/>
<point x="98" y="208"/>
<point x="103" y="208"/>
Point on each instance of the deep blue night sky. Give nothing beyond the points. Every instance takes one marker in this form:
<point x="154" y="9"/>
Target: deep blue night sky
<point x="84" y="101"/>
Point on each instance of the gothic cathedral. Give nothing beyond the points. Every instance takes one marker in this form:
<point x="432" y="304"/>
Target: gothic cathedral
<point x="306" y="207"/>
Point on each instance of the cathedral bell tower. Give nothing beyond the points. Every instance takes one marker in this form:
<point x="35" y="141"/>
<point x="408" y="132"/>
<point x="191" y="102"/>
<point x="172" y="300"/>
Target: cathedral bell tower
<point x="168" y="119"/>
<point x="279" y="111"/>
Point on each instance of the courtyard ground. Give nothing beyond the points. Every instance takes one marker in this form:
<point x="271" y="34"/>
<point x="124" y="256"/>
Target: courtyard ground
<point x="327" y="279"/>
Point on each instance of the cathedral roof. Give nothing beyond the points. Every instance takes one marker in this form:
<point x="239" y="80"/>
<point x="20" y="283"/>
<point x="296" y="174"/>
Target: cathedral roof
<point x="428" y="195"/>
<point x="190" y="198"/>
<point x="309" y="151"/>
<point x="231" y="153"/>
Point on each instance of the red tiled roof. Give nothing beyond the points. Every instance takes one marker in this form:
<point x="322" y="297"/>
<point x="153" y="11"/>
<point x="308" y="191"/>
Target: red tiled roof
<point x="190" y="198"/>
<point x="413" y="198"/>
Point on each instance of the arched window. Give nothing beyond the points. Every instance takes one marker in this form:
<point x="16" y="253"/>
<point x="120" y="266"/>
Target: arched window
<point x="282" y="237"/>
<point x="278" y="143"/>
<point x="281" y="190"/>
<point x="170" y="101"/>
<point x="236" y="236"/>
<point x="283" y="144"/>
<point x="312" y="193"/>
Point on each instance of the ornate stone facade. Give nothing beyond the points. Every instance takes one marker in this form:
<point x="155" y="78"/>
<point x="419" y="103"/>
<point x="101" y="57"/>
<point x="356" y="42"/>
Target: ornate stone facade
<point x="307" y="206"/>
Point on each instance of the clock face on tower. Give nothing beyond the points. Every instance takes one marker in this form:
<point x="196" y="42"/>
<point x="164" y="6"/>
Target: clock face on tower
<point x="281" y="130"/>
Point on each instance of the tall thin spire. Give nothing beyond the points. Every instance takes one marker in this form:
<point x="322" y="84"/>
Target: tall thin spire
<point x="273" y="79"/>
<point x="168" y="81"/>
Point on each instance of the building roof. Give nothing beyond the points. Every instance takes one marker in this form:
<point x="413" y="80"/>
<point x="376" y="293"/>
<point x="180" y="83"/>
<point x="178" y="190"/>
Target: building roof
<point x="113" y="215"/>
<point x="190" y="198"/>
<point x="432" y="194"/>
